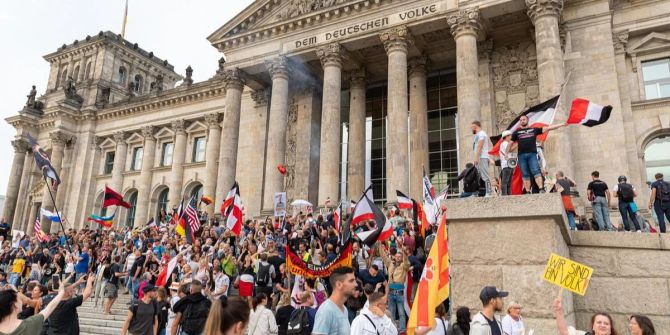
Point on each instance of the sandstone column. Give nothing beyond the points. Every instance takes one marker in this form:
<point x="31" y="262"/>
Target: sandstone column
<point x="30" y="226"/>
<point x="465" y="26"/>
<point x="356" y="148"/>
<point x="146" y="174"/>
<point x="396" y="41"/>
<point x="19" y="221"/>
<point x="178" y="158"/>
<point x="545" y="15"/>
<point x="58" y="141"/>
<point x="119" y="161"/>
<point x="230" y="134"/>
<point x="212" y="158"/>
<point x="418" y="125"/>
<point x="15" y="177"/>
<point x="276" y="144"/>
<point x="329" y="161"/>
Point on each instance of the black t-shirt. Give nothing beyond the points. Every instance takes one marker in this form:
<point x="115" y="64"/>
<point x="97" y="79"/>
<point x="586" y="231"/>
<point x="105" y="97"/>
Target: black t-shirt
<point x="113" y="269"/>
<point x="142" y="322"/>
<point x="64" y="320"/>
<point x="598" y="187"/>
<point x="276" y="261"/>
<point x="526" y="138"/>
<point x="495" y="328"/>
<point x="283" y="317"/>
<point x="152" y="267"/>
<point x="139" y="262"/>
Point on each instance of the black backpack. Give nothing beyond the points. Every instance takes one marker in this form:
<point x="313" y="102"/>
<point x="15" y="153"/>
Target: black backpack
<point x="195" y="316"/>
<point x="298" y="324"/>
<point x="471" y="180"/>
<point x="663" y="193"/>
<point x="263" y="275"/>
<point x="625" y="192"/>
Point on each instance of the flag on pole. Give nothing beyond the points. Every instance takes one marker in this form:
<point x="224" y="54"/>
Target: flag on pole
<point x="404" y="202"/>
<point x="192" y="220"/>
<point x="430" y="208"/>
<point x="433" y="286"/>
<point x="381" y="230"/>
<point x="105" y="221"/>
<point x="113" y="198"/>
<point x="587" y="113"/>
<point x="362" y="210"/>
<point x="234" y="216"/>
<point x="54" y="217"/>
<point x="230" y="198"/>
<point x="43" y="163"/>
<point x="41" y="235"/>
<point x="151" y="223"/>
<point x="125" y="21"/>
<point x="337" y="217"/>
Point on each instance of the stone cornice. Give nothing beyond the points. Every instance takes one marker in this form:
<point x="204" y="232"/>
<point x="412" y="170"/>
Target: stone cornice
<point x="396" y="39"/>
<point x="651" y="104"/>
<point x="278" y="67"/>
<point x="332" y="54"/>
<point x="539" y="8"/>
<point x="465" y="22"/>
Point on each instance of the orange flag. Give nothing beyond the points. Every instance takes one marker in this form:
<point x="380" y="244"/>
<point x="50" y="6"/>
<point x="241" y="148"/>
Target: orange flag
<point x="433" y="286"/>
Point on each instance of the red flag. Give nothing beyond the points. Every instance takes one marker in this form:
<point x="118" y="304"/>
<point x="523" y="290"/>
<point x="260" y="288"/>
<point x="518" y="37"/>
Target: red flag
<point x="112" y="198"/>
<point x="587" y="113"/>
<point x="517" y="182"/>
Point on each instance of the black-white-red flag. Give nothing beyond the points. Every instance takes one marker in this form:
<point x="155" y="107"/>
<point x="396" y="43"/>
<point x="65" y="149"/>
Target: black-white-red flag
<point x="587" y="113"/>
<point x="404" y="202"/>
<point x="374" y="225"/>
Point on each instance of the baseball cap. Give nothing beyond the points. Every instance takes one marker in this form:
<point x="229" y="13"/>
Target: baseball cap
<point x="506" y="133"/>
<point x="491" y="292"/>
<point x="148" y="288"/>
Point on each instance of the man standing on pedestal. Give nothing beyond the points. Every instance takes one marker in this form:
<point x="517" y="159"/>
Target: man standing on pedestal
<point x="481" y="149"/>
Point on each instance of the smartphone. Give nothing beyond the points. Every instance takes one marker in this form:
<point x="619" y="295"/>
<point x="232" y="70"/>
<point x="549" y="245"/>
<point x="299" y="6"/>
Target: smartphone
<point x="56" y="282"/>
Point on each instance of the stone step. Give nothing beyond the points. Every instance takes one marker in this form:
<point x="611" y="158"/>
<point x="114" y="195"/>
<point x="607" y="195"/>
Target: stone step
<point x="102" y="322"/>
<point x="98" y="330"/>
<point x="99" y="315"/>
<point x="98" y="311"/>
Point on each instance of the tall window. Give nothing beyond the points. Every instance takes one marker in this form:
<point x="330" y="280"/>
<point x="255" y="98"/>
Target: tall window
<point x="198" y="149"/>
<point x="375" y="142"/>
<point x="63" y="78"/>
<point x="121" y="78"/>
<point x="162" y="202"/>
<point x="130" y="219"/>
<point x="657" y="158"/>
<point x="442" y="145"/>
<point x="166" y="153"/>
<point x="656" y="76"/>
<point x="87" y="73"/>
<point x="75" y="75"/>
<point x="139" y="83"/>
<point x="109" y="162"/>
<point x="136" y="163"/>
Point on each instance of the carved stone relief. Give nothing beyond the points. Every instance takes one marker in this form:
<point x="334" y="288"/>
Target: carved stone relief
<point x="514" y="80"/>
<point x="297" y="8"/>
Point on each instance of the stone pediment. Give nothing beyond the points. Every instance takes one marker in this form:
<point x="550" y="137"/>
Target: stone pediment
<point x="653" y="42"/>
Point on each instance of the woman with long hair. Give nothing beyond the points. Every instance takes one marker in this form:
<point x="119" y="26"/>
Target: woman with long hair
<point x="601" y="323"/>
<point x="641" y="325"/>
<point x="462" y="324"/>
<point x="262" y="321"/>
<point x="246" y="280"/>
<point x="227" y="316"/>
<point x="284" y="312"/>
<point x="441" y="323"/>
<point x="163" y="307"/>
<point x="11" y="306"/>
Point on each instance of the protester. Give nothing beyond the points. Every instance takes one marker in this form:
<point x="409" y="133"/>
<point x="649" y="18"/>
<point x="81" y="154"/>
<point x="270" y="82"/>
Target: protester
<point x="229" y="316"/>
<point x="471" y="181"/>
<point x="563" y="186"/>
<point x="163" y="310"/>
<point x="481" y="154"/>
<point x="599" y="194"/>
<point x="507" y="159"/>
<point x="284" y="313"/>
<point x="512" y="323"/>
<point x="397" y="272"/>
<point x="332" y="316"/>
<point x="10" y="307"/>
<point x="641" y="325"/>
<point x="142" y="318"/>
<point x="462" y="324"/>
<point x="626" y="194"/>
<point x="601" y="323"/>
<point x="64" y="320"/>
<point x="265" y="274"/>
<point x="191" y="311"/>
<point x="374" y="319"/>
<point x="659" y="200"/>
<point x="112" y="275"/>
<point x="485" y="322"/>
<point x="262" y="321"/>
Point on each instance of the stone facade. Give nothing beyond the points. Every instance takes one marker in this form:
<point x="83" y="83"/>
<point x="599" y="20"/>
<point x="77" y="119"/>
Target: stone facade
<point x="278" y="99"/>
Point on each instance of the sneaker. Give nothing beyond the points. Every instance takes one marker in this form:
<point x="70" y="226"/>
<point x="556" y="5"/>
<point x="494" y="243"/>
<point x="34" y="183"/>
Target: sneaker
<point x="639" y="231"/>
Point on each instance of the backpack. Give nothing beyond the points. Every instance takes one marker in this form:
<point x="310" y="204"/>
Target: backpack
<point x="263" y="275"/>
<point x="625" y="192"/>
<point x="195" y="316"/>
<point x="471" y="180"/>
<point x="663" y="192"/>
<point x="298" y="324"/>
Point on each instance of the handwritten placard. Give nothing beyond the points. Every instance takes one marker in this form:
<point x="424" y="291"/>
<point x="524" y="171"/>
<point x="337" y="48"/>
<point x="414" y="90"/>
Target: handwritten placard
<point x="568" y="274"/>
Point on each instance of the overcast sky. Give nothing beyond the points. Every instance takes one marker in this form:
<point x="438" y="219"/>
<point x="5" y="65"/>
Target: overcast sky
<point x="175" y="30"/>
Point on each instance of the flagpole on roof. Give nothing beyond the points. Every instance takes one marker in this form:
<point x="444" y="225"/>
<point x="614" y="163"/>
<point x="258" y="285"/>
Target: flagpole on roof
<point x="125" y="21"/>
<point x="60" y="220"/>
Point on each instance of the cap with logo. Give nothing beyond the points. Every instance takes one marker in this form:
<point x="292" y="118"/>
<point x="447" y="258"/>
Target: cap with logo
<point x="491" y="292"/>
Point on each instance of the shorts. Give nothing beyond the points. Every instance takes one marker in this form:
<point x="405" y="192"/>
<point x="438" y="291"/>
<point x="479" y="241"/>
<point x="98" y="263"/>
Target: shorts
<point x="111" y="291"/>
<point x="529" y="165"/>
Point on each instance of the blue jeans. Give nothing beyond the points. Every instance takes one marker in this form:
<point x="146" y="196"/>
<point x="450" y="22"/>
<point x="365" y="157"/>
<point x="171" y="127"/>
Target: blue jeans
<point x="602" y="214"/>
<point x="626" y="214"/>
<point x="662" y="213"/>
<point x="13" y="278"/>
<point x="571" y="220"/>
<point x="185" y="333"/>
<point x="529" y="165"/>
<point x="134" y="289"/>
<point x="396" y="303"/>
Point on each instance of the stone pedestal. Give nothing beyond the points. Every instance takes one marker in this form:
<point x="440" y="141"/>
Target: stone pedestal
<point x="329" y="170"/>
<point x="178" y="159"/>
<point x="146" y="174"/>
<point x="212" y="159"/>
<point x="418" y="125"/>
<point x="396" y="41"/>
<point x="356" y="149"/>
<point x="465" y="27"/>
<point x="276" y="144"/>
<point x="231" y="131"/>
<point x="15" y="177"/>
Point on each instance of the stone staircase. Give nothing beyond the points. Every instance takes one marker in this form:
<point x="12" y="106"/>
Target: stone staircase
<point x="93" y="321"/>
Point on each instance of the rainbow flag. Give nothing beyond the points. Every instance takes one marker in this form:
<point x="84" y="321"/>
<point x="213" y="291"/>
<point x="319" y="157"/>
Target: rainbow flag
<point x="105" y="221"/>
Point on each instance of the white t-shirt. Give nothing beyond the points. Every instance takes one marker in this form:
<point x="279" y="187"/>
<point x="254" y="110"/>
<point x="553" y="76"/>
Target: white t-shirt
<point x="441" y="327"/>
<point x="512" y="327"/>
<point x="504" y="147"/>
<point x="481" y="136"/>
<point x="220" y="281"/>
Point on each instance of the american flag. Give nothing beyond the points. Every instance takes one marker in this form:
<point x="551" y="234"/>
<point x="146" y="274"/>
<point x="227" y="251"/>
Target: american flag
<point x="192" y="215"/>
<point x="38" y="231"/>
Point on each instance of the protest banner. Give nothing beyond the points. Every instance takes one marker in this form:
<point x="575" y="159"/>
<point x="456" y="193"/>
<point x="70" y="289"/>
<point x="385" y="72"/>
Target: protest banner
<point x="297" y="266"/>
<point x="280" y="204"/>
<point x="567" y="274"/>
<point x="17" y="235"/>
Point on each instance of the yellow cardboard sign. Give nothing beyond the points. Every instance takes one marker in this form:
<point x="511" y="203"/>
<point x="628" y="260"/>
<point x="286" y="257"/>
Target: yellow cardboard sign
<point x="567" y="274"/>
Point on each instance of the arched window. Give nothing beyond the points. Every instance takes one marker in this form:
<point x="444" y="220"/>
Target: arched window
<point x="197" y="192"/>
<point x="162" y="203"/>
<point x="122" y="75"/>
<point x="63" y="78"/>
<point x="75" y="75"/>
<point x="657" y="158"/>
<point x="87" y="74"/>
<point x="138" y="83"/>
<point x="130" y="219"/>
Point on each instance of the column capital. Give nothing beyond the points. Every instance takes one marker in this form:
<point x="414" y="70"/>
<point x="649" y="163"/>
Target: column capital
<point x="620" y="41"/>
<point x="20" y="145"/>
<point x="261" y="97"/>
<point x="213" y="120"/>
<point x="332" y="54"/>
<point x="396" y="39"/>
<point x="178" y="126"/>
<point x="417" y="65"/>
<point x="357" y="78"/>
<point x="465" y="22"/>
<point x="539" y="8"/>
<point x="278" y="67"/>
<point x="120" y="137"/>
<point x="148" y="133"/>
<point x="234" y="79"/>
<point x="95" y="143"/>
<point x="59" y="138"/>
<point x="485" y="49"/>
